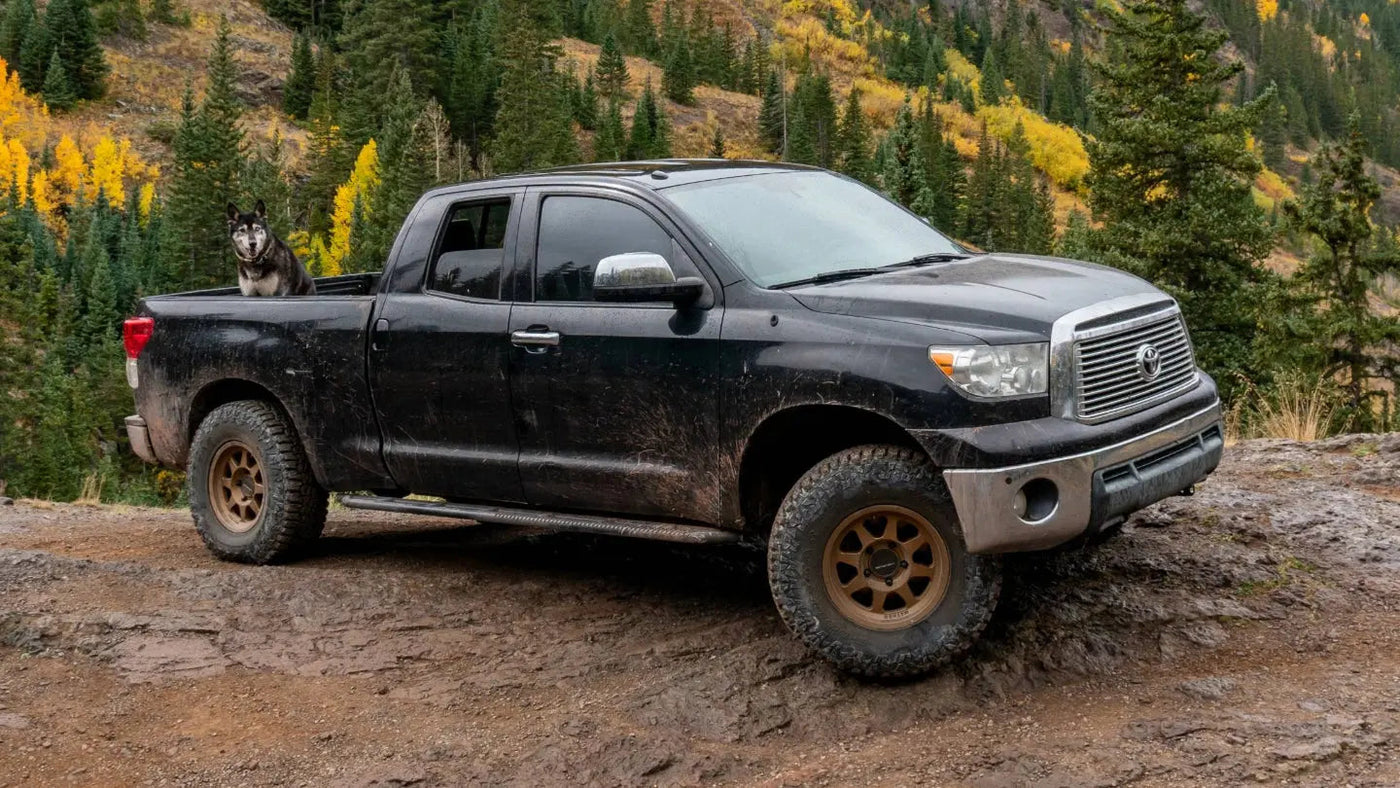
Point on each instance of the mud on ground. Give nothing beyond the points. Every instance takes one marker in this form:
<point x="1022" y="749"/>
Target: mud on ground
<point x="1249" y="633"/>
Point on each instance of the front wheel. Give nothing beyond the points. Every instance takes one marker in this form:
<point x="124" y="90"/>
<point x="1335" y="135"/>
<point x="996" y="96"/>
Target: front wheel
<point x="867" y="565"/>
<point x="252" y="493"/>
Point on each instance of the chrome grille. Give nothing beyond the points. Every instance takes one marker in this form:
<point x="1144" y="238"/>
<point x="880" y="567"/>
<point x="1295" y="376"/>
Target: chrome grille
<point x="1112" y="363"/>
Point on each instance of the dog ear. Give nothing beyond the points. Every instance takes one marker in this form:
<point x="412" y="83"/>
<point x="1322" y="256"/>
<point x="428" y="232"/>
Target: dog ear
<point x="233" y="213"/>
<point x="260" y="210"/>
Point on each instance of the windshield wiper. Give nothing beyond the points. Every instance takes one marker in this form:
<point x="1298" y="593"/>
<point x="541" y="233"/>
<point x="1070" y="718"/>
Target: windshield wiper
<point x="830" y="276"/>
<point x="928" y="259"/>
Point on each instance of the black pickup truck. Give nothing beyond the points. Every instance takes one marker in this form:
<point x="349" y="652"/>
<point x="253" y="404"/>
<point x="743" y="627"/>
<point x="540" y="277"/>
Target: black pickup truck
<point x="696" y="351"/>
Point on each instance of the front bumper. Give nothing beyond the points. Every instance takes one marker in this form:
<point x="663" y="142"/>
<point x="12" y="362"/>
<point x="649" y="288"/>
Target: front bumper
<point x="140" y="438"/>
<point x="1043" y="504"/>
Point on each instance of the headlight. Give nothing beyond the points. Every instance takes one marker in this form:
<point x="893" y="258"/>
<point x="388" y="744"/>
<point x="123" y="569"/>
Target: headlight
<point x="996" y="370"/>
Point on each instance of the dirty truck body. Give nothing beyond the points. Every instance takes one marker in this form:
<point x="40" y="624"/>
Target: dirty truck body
<point x="697" y="351"/>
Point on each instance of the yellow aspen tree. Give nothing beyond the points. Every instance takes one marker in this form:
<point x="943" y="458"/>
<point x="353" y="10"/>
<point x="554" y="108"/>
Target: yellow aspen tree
<point x="7" y="168"/>
<point x="1268" y="9"/>
<point x="21" y="115"/>
<point x="69" y="171"/>
<point x="146" y="199"/>
<point x="41" y="191"/>
<point x="357" y="189"/>
<point x="108" y="167"/>
<point x="18" y="169"/>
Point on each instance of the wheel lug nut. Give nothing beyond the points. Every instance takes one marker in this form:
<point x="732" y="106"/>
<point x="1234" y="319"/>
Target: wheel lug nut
<point x="867" y="573"/>
<point x="889" y="581"/>
<point x="869" y="550"/>
<point x="903" y="564"/>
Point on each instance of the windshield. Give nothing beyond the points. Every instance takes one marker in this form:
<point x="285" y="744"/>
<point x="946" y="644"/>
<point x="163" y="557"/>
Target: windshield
<point x="792" y="226"/>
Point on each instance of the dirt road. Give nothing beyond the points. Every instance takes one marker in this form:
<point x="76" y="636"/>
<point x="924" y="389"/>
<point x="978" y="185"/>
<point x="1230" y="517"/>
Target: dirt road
<point x="1250" y="633"/>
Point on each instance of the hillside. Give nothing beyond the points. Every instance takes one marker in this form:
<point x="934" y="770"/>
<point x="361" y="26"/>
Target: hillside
<point x="338" y="115"/>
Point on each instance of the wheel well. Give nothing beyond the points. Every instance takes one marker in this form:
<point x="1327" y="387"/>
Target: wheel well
<point x="789" y="443"/>
<point x="223" y="392"/>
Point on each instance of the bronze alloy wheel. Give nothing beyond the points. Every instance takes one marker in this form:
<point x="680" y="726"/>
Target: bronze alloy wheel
<point x="236" y="487"/>
<point x="886" y="568"/>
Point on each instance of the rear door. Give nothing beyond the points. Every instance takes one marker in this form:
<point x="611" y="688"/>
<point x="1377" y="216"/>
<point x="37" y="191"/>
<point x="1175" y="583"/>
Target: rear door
<point x="440" y="353"/>
<point x="616" y="404"/>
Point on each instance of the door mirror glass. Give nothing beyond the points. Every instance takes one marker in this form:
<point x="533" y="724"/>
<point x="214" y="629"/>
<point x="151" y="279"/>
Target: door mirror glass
<point x="641" y="277"/>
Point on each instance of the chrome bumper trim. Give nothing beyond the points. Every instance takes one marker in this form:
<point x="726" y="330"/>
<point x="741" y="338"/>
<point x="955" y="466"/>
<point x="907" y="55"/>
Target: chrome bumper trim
<point x="985" y="497"/>
<point x="140" y="438"/>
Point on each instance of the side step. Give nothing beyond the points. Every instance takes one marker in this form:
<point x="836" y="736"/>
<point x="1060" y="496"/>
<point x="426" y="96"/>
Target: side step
<point x="584" y="523"/>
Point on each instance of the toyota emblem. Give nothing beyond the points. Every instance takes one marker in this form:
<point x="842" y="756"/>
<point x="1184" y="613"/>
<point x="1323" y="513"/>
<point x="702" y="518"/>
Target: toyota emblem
<point x="1149" y="362"/>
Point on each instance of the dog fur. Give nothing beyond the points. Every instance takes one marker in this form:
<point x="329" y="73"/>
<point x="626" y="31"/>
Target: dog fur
<point x="266" y="265"/>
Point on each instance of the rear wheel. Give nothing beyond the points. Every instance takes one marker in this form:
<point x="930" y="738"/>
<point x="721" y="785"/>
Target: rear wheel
<point x="252" y="493"/>
<point x="867" y="565"/>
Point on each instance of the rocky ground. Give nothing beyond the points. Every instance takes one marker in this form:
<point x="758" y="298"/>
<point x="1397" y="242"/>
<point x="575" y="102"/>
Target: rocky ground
<point x="1250" y="633"/>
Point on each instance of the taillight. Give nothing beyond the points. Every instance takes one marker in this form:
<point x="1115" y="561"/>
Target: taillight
<point x="136" y="332"/>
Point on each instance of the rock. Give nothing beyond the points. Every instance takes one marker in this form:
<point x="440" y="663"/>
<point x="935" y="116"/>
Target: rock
<point x="6" y="501"/>
<point x="1322" y="749"/>
<point x="1208" y="688"/>
<point x="13" y="721"/>
<point x="1390" y="444"/>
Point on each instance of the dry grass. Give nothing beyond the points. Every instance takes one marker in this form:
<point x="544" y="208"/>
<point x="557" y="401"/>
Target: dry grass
<point x="1300" y="409"/>
<point x="148" y="77"/>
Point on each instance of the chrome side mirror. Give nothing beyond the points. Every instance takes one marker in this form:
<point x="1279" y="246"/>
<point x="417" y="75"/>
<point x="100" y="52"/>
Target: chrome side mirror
<point x="638" y="277"/>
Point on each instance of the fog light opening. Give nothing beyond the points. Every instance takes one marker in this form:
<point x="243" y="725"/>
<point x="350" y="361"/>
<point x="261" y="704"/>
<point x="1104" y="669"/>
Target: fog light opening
<point x="1036" y="501"/>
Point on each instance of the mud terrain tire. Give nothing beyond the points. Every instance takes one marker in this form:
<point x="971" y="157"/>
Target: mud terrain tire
<point x="825" y="501"/>
<point x="252" y="493"/>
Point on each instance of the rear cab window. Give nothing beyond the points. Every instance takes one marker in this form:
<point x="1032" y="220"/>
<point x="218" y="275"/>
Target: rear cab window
<point x="470" y="257"/>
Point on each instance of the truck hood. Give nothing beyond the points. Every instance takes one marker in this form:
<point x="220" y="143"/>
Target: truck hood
<point x="987" y="296"/>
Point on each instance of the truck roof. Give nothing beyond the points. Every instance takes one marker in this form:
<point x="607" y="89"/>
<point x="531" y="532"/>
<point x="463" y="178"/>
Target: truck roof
<point x="650" y="174"/>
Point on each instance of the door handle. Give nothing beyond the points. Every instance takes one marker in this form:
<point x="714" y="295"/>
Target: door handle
<point x="377" y="338"/>
<point x="535" y="340"/>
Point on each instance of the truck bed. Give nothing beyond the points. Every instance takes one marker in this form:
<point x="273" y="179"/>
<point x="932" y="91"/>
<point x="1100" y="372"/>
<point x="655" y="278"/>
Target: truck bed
<point x="306" y="352"/>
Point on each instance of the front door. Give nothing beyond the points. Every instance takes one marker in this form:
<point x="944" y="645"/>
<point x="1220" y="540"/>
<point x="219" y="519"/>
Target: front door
<point x="439" y="362"/>
<point x="616" y="404"/>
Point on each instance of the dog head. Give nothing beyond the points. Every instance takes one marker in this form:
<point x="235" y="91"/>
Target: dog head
<point x="248" y="231"/>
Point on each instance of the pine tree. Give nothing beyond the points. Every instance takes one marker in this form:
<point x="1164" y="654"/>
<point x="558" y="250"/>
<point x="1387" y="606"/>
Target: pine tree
<point x="163" y="12"/>
<point x="264" y="179"/>
<point x="802" y="144"/>
<point x="20" y="18"/>
<point x="853" y="141"/>
<point x="74" y="35"/>
<point x="1171" y="174"/>
<point x="772" y="115"/>
<point x="586" y="107"/>
<point x="301" y="80"/>
<point x="1359" y="343"/>
<point x="610" y="143"/>
<point x="475" y="77"/>
<point x="121" y="17"/>
<point x="405" y="171"/>
<point x="1272" y="131"/>
<point x="208" y="156"/>
<point x="378" y="34"/>
<point x="35" y="54"/>
<point x="986" y="213"/>
<point x="678" y="78"/>
<point x="533" y="128"/>
<point x="903" y="176"/>
<point x="638" y="32"/>
<point x="58" y="88"/>
<point x="612" y="69"/>
<point x="717" y="143"/>
<point x="993" y="82"/>
<point x="650" y="137"/>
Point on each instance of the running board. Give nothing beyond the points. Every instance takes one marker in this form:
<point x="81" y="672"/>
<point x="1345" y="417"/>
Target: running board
<point x="584" y="523"/>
